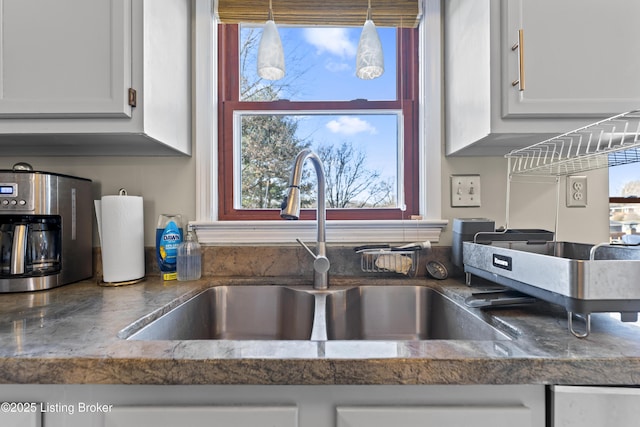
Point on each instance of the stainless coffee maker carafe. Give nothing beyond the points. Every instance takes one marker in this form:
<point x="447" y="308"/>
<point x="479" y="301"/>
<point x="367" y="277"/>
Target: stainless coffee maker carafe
<point x="45" y="229"/>
<point x="30" y="245"/>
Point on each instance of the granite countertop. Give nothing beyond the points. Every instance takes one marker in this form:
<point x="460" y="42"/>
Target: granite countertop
<point x="70" y="335"/>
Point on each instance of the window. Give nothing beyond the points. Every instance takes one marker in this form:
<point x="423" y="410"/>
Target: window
<point x="624" y="203"/>
<point x="207" y="144"/>
<point x="365" y="131"/>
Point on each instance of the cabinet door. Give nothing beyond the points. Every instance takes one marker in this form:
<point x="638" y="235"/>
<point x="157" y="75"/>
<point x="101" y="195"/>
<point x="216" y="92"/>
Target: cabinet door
<point x="450" y="416"/>
<point x="595" y="406"/>
<point x="579" y="57"/>
<point x="20" y="419"/>
<point x="65" y="58"/>
<point x="201" y="416"/>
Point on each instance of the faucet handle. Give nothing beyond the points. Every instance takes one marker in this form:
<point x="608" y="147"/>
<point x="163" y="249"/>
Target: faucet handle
<point x="306" y="247"/>
<point x="321" y="263"/>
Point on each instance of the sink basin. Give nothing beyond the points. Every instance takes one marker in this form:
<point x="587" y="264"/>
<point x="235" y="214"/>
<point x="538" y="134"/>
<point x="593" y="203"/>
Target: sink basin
<point x="402" y="313"/>
<point x="237" y="313"/>
<point x="288" y="313"/>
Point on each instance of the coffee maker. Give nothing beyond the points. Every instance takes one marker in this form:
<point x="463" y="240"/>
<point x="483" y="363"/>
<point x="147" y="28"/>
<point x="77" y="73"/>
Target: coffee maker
<point x="45" y="229"/>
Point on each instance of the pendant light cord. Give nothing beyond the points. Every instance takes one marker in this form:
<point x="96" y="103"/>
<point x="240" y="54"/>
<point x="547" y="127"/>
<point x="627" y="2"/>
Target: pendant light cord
<point x="270" y="17"/>
<point x="368" y="11"/>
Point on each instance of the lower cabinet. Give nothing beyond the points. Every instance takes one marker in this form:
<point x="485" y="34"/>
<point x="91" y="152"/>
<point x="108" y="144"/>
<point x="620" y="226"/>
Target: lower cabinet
<point x="201" y="416"/>
<point x="281" y="406"/>
<point x="19" y="419"/>
<point x="574" y="406"/>
<point x="450" y="416"/>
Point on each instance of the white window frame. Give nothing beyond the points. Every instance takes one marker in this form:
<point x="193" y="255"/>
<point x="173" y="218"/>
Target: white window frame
<point x="429" y="224"/>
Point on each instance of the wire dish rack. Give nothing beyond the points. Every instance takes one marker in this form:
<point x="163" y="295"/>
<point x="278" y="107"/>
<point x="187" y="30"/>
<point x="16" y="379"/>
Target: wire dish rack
<point x="610" y="142"/>
<point x="387" y="260"/>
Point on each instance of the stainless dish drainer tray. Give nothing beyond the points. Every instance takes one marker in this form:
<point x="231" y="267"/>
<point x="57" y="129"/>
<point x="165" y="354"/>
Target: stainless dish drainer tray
<point x="582" y="278"/>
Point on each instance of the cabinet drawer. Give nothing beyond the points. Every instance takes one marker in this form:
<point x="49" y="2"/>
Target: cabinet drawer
<point x="450" y="416"/>
<point x="201" y="416"/>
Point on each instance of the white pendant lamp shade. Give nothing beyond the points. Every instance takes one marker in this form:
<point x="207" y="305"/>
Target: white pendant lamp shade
<point x="270" y="53"/>
<point x="369" y="59"/>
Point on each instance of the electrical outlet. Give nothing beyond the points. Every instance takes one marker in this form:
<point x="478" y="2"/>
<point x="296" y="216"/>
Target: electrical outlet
<point x="465" y="190"/>
<point x="576" y="191"/>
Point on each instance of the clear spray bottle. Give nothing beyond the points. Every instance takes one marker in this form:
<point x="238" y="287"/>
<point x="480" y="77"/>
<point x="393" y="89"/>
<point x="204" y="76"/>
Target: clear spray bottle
<point x="189" y="257"/>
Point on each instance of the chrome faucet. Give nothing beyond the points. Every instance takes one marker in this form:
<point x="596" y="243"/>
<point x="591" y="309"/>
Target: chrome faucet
<point x="290" y="209"/>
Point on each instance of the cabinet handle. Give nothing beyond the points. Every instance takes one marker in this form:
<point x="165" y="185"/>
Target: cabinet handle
<point x="133" y="97"/>
<point x="520" y="47"/>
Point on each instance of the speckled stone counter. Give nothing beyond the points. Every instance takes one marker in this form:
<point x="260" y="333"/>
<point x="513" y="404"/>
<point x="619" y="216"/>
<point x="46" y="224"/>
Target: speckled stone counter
<point x="72" y="335"/>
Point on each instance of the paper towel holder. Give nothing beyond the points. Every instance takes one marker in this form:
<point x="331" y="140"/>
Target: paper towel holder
<point x="102" y="281"/>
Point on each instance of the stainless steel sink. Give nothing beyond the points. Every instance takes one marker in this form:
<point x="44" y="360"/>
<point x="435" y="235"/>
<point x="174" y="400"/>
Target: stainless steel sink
<point x="237" y="313"/>
<point x="291" y="313"/>
<point x="402" y="313"/>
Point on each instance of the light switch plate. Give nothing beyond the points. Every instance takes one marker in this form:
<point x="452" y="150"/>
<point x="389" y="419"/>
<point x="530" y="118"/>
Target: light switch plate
<point x="465" y="191"/>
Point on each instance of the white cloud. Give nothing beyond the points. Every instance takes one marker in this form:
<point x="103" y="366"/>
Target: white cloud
<point x="332" y="40"/>
<point x="336" y="67"/>
<point x="347" y="125"/>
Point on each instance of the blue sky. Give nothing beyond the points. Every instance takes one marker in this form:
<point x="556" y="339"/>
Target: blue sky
<point x="620" y="175"/>
<point x="320" y="65"/>
<point x="328" y="57"/>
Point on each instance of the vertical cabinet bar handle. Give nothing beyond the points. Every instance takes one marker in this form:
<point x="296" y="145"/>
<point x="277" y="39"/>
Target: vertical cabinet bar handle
<point x="519" y="46"/>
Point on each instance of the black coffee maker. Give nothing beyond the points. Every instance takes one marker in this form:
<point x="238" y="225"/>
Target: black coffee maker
<point x="45" y="229"/>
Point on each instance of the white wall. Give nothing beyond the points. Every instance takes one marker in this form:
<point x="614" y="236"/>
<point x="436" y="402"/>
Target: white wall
<point x="533" y="203"/>
<point x="167" y="184"/>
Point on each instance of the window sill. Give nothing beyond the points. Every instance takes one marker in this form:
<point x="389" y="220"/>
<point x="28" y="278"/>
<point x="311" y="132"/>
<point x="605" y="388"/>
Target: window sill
<point x="270" y="232"/>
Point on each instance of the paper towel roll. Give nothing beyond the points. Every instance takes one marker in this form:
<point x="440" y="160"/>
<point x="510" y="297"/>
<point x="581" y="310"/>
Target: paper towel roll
<point x="121" y="230"/>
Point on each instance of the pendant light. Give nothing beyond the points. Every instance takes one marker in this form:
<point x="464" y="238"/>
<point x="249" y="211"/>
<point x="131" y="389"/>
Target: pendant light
<point x="270" y="52"/>
<point x="369" y="59"/>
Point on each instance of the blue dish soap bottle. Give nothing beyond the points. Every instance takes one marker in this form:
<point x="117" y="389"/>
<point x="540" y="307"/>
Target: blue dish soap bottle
<point x="169" y="235"/>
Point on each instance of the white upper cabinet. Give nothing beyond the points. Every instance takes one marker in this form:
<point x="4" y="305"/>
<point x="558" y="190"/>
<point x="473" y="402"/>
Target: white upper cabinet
<point x="68" y="58"/>
<point x="575" y="61"/>
<point x="95" y="77"/>
<point x="577" y="56"/>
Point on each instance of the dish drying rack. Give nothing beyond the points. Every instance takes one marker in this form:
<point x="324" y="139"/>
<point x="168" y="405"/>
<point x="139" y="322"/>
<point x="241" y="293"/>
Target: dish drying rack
<point x="610" y="142"/>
